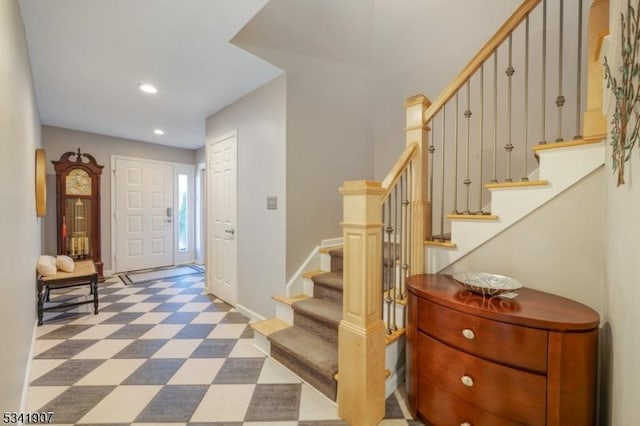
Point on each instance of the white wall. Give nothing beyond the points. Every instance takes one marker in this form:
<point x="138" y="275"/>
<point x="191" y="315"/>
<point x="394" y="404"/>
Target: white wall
<point x="57" y="141"/>
<point x="260" y="118"/>
<point x="20" y="228"/>
<point x="621" y="318"/>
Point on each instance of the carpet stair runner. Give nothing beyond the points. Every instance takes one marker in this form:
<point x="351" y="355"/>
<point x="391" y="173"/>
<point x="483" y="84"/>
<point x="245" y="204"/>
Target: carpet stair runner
<point x="310" y="347"/>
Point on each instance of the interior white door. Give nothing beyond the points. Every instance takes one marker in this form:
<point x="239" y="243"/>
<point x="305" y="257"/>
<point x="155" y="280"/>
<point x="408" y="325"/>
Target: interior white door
<point x="221" y="218"/>
<point x="143" y="214"/>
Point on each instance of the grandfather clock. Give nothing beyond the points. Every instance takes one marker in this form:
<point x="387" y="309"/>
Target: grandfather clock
<point x="78" y="207"/>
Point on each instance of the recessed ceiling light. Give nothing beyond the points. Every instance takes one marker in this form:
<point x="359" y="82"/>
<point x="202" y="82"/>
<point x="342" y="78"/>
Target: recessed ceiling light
<point x="158" y="132"/>
<point x="147" y="88"/>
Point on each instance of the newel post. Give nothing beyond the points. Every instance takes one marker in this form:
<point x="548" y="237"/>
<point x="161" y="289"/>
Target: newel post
<point x="361" y="368"/>
<point x="595" y="123"/>
<point x="417" y="131"/>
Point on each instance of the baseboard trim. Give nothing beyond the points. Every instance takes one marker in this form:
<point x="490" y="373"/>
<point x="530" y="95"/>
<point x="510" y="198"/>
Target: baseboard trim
<point x="295" y="285"/>
<point x="392" y="383"/>
<point x="27" y="375"/>
<point x="253" y="315"/>
<point x="332" y="242"/>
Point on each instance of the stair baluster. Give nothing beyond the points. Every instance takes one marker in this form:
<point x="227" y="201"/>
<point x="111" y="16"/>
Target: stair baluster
<point x="467" y="116"/>
<point x="394" y="262"/>
<point x="525" y="177"/>
<point x="543" y="72"/>
<point x="442" y="192"/>
<point x="405" y="236"/>
<point x="495" y="116"/>
<point x="430" y="197"/>
<point x="455" y="156"/>
<point x="560" y="99"/>
<point x="579" y="75"/>
<point x="510" y="71"/>
<point x="480" y="188"/>
<point x="386" y="284"/>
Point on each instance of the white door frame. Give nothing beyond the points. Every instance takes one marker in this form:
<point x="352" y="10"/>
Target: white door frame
<point x="209" y="246"/>
<point x="112" y="168"/>
<point x="181" y="258"/>
<point x="200" y="225"/>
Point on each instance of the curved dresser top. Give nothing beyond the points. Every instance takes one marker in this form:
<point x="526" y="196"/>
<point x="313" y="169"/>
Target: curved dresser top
<point x="531" y="308"/>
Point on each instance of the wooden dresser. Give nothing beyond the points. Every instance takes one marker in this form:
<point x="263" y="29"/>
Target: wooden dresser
<point x="474" y="360"/>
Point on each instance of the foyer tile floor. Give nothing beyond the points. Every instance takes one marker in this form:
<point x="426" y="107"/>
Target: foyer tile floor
<point x="164" y="352"/>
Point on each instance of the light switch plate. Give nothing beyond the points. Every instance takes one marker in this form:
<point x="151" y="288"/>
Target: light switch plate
<point x="272" y="203"/>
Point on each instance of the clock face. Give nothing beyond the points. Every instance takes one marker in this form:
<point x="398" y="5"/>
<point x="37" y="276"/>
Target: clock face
<point x="78" y="182"/>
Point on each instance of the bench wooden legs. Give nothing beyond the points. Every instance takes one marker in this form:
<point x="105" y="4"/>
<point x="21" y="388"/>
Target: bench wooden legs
<point x="44" y="289"/>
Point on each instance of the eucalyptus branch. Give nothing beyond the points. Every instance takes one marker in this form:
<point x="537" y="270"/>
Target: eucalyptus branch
<point x="626" y="91"/>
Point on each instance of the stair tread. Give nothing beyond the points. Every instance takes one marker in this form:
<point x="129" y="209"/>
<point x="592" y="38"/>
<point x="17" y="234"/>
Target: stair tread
<point x="321" y="309"/>
<point x="328" y="249"/>
<point x="329" y="279"/>
<point x="448" y="244"/>
<point x="319" y="354"/>
<point x="268" y="326"/>
<point x="517" y="184"/>
<point x="462" y="216"/>
<point x="311" y="274"/>
<point x="337" y="252"/>
<point x="289" y="300"/>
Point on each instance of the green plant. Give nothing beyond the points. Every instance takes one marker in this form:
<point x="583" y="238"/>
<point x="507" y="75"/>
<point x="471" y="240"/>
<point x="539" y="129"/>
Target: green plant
<point x="625" y="132"/>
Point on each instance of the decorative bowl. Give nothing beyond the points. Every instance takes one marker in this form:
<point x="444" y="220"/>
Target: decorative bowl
<point x="485" y="283"/>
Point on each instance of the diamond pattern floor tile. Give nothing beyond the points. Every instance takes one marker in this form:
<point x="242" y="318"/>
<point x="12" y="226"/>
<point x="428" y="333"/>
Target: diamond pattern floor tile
<point x="166" y="353"/>
<point x="277" y="402"/>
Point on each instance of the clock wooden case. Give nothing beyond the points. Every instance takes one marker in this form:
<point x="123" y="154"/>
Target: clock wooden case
<point x="78" y="207"/>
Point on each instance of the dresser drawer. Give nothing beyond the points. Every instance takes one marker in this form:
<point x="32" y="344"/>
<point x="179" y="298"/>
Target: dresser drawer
<point x="441" y="408"/>
<point x="509" y="344"/>
<point x="504" y="391"/>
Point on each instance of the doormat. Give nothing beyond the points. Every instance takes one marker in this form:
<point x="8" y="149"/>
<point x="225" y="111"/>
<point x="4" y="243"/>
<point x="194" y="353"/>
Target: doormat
<point x="138" y="277"/>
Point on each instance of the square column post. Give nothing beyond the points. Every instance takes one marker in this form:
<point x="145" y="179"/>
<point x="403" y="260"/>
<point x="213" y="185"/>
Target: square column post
<point x="361" y="346"/>
<point x="417" y="131"/>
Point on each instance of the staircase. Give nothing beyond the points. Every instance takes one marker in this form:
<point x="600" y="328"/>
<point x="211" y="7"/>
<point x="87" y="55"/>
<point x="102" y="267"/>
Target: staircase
<point x="435" y="197"/>
<point x="309" y="347"/>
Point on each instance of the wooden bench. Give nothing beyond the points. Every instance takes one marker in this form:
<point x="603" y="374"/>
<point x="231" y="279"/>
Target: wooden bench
<point x="84" y="273"/>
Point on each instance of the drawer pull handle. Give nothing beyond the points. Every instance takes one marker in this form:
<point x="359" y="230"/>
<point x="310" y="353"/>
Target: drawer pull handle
<point x="467" y="381"/>
<point x="468" y="334"/>
<point x="465" y="424"/>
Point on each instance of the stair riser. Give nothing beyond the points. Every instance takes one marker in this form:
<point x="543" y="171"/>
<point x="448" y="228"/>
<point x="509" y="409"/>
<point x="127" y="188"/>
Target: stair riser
<point x="327" y="293"/>
<point x="327" y="331"/>
<point x="324" y="384"/>
<point x="284" y="312"/>
<point x="336" y="264"/>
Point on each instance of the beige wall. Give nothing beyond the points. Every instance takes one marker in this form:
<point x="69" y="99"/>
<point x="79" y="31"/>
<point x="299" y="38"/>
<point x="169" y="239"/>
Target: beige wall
<point x="621" y="318"/>
<point x="21" y="229"/>
<point x="57" y="141"/>
<point x="260" y="118"/>
<point x="621" y="351"/>
<point x="559" y="248"/>
<point x="325" y="48"/>
<point x="416" y="52"/>
<point x="329" y="141"/>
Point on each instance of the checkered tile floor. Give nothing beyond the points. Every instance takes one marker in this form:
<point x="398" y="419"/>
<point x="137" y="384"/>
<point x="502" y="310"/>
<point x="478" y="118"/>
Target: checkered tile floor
<point x="165" y="352"/>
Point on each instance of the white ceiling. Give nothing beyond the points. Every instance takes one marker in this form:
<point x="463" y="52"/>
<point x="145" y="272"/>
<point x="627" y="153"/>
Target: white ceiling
<point x="88" y="57"/>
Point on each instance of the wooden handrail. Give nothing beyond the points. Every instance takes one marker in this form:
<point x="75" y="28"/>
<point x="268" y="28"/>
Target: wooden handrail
<point x="498" y="38"/>
<point x="398" y="168"/>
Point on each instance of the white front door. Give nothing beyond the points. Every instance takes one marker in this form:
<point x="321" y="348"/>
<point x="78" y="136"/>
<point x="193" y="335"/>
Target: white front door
<point x="221" y="217"/>
<point x="143" y="214"/>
